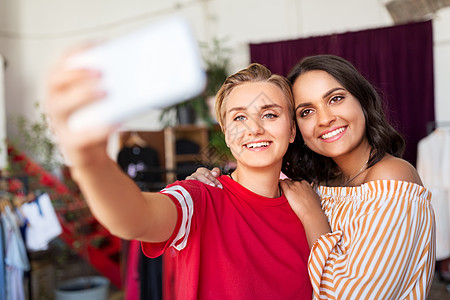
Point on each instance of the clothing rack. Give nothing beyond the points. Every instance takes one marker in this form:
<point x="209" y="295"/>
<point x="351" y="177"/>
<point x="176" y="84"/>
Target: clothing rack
<point x="434" y="124"/>
<point x="14" y="201"/>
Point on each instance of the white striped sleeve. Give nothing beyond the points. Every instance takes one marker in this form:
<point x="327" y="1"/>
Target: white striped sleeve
<point x="319" y="256"/>
<point x="187" y="207"/>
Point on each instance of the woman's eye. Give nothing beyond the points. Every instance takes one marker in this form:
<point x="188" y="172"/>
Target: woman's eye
<point x="305" y="113"/>
<point x="336" y="99"/>
<point x="239" y="118"/>
<point x="270" y="116"/>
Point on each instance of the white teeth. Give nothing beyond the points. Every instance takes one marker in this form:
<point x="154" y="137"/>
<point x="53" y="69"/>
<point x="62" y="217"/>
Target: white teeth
<point x="257" y="145"/>
<point x="332" y="133"/>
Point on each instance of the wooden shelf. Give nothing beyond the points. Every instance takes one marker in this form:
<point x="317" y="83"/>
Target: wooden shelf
<point x="164" y="142"/>
<point x="188" y="157"/>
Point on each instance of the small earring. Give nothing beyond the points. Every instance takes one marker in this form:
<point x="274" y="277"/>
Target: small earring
<point x="304" y="144"/>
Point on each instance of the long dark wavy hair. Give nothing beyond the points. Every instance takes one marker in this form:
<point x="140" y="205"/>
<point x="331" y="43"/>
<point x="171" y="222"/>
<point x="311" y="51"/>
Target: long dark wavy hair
<point x="300" y="162"/>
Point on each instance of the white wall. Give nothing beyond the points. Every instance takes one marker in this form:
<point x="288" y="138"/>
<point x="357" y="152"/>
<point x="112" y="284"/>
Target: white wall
<point x="441" y="32"/>
<point x="34" y="33"/>
<point x="3" y="147"/>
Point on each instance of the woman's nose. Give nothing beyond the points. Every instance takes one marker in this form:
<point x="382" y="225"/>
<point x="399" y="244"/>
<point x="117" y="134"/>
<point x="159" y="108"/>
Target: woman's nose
<point x="326" y="116"/>
<point x="255" y="127"/>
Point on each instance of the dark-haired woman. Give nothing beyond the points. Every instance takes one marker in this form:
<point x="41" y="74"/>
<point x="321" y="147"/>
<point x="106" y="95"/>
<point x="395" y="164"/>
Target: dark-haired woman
<point x="381" y="242"/>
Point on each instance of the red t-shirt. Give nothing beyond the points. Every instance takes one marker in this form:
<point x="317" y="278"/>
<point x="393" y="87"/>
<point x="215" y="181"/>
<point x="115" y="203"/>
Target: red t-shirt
<point x="231" y="243"/>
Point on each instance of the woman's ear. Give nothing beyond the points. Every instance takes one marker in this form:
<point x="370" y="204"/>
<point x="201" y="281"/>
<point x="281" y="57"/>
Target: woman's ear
<point x="293" y="132"/>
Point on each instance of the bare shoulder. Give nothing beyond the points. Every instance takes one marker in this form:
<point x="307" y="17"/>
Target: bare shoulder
<point x="393" y="168"/>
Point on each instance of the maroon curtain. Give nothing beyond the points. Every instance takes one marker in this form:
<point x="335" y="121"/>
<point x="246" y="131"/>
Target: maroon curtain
<point x="397" y="60"/>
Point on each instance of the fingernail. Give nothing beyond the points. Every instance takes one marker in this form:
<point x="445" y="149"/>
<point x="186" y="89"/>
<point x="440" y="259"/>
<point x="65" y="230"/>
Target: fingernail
<point x="214" y="173"/>
<point x="212" y="184"/>
<point x="220" y="186"/>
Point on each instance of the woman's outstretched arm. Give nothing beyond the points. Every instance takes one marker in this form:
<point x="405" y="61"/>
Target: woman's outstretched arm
<point x="112" y="196"/>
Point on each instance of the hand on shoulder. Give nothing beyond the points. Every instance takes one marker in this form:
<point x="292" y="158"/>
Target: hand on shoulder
<point x="207" y="176"/>
<point x="393" y="168"/>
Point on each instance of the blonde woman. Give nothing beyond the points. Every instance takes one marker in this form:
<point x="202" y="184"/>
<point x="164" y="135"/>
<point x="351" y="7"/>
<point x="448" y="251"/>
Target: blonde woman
<point x="240" y="242"/>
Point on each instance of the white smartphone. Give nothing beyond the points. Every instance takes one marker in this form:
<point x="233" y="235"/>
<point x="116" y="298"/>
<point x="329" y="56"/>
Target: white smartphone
<point x="154" y="67"/>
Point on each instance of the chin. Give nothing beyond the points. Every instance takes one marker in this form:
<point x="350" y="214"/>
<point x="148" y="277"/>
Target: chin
<point x="262" y="163"/>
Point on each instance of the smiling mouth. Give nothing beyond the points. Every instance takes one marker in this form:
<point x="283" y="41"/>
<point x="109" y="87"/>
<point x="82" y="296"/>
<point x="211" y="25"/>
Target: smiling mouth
<point x="257" y="145"/>
<point x="332" y="133"/>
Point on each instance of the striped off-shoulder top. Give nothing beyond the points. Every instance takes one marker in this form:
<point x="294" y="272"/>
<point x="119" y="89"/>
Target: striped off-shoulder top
<point x="382" y="244"/>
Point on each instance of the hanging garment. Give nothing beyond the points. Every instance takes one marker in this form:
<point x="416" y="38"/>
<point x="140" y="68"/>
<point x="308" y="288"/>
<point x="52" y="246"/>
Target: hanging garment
<point x="2" y="263"/>
<point x="186" y="168"/>
<point x="16" y="259"/>
<point x="132" y="274"/>
<point x="150" y="272"/>
<point x="43" y="225"/>
<point x="141" y="164"/>
<point x="433" y="165"/>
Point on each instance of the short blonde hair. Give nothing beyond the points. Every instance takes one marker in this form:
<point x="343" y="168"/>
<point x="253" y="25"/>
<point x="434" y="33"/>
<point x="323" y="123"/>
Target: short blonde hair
<point x="253" y="73"/>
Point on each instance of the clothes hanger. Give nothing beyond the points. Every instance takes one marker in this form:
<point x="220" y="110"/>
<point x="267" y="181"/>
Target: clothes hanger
<point x="135" y="140"/>
<point x="443" y="126"/>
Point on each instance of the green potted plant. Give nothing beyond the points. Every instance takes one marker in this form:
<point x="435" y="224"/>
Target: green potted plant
<point x="216" y="57"/>
<point x="37" y="142"/>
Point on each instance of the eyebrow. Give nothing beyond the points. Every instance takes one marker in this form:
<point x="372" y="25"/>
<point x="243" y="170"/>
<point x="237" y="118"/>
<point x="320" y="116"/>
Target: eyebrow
<point x="241" y="108"/>
<point x="328" y="93"/>
<point x="332" y="91"/>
